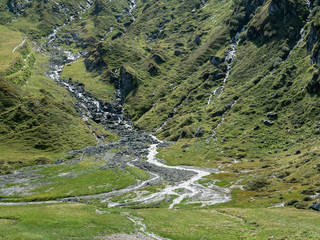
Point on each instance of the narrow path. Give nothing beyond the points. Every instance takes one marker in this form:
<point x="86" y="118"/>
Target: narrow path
<point x="24" y="40"/>
<point x="141" y="227"/>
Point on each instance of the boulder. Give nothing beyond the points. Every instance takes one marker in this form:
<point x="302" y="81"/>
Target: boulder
<point x="315" y="206"/>
<point x="307" y="199"/>
<point x="215" y="60"/>
<point x="177" y="53"/>
<point x="128" y="81"/>
<point x="308" y="192"/>
<point x="272" y="115"/>
<point x="217" y="113"/>
<point x="257" y="127"/>
<point x="291" y="202"/>
<point x="197" y="40"/>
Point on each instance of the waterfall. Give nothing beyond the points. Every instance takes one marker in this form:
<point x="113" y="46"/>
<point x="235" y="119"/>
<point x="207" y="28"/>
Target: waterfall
<point x="230" y="56"/>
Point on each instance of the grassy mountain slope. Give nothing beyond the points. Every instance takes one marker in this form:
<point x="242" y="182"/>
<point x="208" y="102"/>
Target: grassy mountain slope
<point x="169" y="54"/>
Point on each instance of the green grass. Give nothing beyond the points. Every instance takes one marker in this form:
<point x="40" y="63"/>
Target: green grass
<point x="84" y="183"/>
<point x="75" y="177"/>
<point x="79" y="220"/>
<point x="190" y="152"/>
<point x="138" y="173"/>
<point x="86" y="177"/>
<point x="232" y="223"/>
<point x="60" y="221"/>
<point x="9" y="39"/>
<point x="36" y="112"/>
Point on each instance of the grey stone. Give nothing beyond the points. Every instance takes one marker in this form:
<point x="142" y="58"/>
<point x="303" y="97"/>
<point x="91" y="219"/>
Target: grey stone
<point x="268" y="122"/>
<point x="315" y="206"/>
<point x="272" y="115"/>
<point x="197" y="40"/>
<point x="215" y="60"/>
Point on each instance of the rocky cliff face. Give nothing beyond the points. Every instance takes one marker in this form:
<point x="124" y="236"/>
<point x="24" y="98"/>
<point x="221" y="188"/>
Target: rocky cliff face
<point x="278" y="19"/>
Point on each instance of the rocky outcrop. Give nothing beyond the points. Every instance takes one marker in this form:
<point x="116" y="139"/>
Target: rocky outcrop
<point x="128" y="81"/>
<point x="313" y="42"/>
<point x="159" y="59"/>
<point x="313" y="86"/>
<point x="199" y="132"/>
<point x="215" y="61"/>
<point x="153" y="69"/>
<point x="275" y="18"/>
<point x="17" y="6"/>
<point x="94" y="59"/>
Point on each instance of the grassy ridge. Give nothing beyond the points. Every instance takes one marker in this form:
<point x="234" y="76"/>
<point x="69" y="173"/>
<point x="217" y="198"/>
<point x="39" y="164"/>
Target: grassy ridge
<point x="39" y="18"/>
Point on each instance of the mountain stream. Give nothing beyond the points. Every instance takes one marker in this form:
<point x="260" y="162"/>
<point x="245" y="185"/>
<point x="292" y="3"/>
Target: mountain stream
<point x="180" y="183"/>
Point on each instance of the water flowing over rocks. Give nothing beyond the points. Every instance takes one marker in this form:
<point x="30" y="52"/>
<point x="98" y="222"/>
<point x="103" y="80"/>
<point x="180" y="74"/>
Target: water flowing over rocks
<point x="229" y="57"/>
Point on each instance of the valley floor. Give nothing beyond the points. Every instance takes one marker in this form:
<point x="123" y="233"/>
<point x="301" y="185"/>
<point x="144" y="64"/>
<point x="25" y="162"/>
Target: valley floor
<point x="82" y="221"/>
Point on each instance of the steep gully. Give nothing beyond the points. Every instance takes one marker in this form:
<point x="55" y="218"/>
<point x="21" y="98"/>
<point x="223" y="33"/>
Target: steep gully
<point x="217" y="92"/>
<point x="230" y="55"/>
<point x="181" y="182"/>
